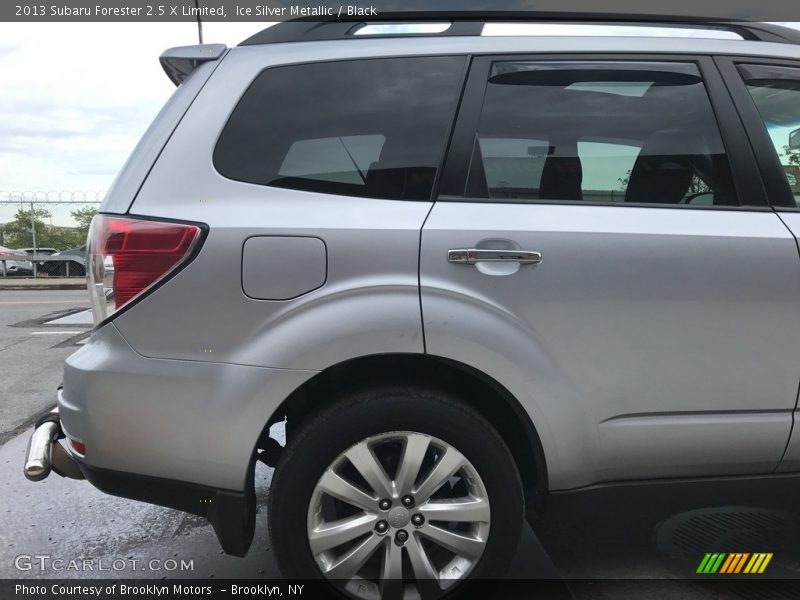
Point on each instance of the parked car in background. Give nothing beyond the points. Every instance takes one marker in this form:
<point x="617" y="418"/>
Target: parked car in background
<point x="25" y="267"/>
<point x="5" y="253"/>
<point x="19" y="267"/>
<point x="62" y="268"/>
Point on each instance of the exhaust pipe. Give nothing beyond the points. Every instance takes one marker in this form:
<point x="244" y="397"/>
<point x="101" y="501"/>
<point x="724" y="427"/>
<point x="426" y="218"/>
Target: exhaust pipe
<point x="40" y="448"/>
<point x="45" y="454"/>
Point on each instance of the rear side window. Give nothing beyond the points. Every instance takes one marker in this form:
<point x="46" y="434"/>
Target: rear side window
<point x="372" y="128"/>
<point x="776" y="93"/>
<point x="600" y="132"/>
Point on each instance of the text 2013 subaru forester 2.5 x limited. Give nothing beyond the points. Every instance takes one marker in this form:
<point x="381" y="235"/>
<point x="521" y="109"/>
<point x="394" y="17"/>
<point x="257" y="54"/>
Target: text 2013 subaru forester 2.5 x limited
<point x="469" y="263"/>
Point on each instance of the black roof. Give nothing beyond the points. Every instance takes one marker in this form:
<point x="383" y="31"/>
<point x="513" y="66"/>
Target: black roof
<point x="470" y="23"/>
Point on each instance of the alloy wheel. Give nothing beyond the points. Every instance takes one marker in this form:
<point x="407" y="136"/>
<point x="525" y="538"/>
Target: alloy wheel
<point x="398" y="515"/>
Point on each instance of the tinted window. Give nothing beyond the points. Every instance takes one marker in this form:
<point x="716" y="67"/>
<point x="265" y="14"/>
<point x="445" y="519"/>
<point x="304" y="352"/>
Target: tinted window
<point x="510" y="164"/>
<point x="776" y="93"/>
<point x="344" y="159"/>
<point x="599" y="132"/>
<point x="373" y="128"/>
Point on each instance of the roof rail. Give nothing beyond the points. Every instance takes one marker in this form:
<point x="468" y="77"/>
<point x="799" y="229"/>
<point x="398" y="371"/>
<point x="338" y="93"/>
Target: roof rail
<point x="465" y="23"/>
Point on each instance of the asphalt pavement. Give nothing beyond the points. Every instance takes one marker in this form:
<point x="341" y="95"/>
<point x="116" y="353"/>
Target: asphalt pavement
<point x="602" y="546"/>
<point x="32" y="351"/>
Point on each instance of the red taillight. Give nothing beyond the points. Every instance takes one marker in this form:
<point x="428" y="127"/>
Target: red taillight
<point x="142" y="252"/>
<point x="126" y="256"/>
<point x="79" y="447"/>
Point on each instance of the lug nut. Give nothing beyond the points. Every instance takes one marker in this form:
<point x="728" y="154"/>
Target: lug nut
<point x="407" y="501"/>
<point x="385" y="504"/>
<point x="381" y="527"/>
<point x="417" y="520"/>
<point x="401" y="537"/>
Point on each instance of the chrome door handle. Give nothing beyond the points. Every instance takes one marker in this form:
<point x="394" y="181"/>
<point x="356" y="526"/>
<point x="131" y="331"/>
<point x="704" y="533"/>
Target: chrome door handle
<point x="471" y="256"/>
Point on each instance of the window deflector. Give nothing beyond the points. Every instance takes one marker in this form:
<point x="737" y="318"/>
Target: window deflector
<point x="565" y="73"/>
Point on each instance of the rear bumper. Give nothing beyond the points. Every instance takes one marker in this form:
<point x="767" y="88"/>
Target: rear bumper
<point x="231" y="513"/>
<point x="175" y="433"/>
<point x="175" y="420"/>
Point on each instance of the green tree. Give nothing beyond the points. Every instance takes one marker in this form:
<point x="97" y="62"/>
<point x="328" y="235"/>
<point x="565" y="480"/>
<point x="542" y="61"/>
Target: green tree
<point x="17" y="233"/>
<point x="793" y="156"/>
<point x="83" y="217"/>
<point x="61" y="238"/>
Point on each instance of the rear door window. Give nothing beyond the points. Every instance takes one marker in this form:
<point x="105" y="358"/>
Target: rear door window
<point x="776" y="93"/>
<point x="372" y="128"/>
<point x="510" y="164"/>
<point x="600" y="132"/>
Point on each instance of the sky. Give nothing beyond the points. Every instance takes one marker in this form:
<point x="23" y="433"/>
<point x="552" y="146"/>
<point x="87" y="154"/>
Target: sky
<point x="76" y="98"/>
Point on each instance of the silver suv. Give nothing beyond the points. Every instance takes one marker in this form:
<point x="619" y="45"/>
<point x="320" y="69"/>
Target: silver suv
<point x="468" y="263"/>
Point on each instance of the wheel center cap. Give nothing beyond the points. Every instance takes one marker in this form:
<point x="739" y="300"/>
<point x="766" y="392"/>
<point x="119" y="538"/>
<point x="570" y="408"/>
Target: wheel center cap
<point x="399" y="517"/>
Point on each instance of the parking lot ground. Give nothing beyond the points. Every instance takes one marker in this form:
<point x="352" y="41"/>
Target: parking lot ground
<point x="603" y="546"/>
<point x="32" y="351"/>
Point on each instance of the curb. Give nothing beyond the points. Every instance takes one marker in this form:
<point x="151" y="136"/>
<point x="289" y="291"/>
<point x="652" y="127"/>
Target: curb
<point x="51" y="286"/>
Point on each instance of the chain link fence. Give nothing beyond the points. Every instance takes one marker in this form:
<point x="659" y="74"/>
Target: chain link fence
<point x="43" y="233"/>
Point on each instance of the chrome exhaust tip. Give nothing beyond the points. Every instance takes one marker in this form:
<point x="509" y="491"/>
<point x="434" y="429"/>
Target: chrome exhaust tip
<point x="40" y="448"/>
<point x="35" y="470"/>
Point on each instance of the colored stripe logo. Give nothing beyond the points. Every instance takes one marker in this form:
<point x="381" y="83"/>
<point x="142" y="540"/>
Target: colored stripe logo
<point x="734" y="563"/>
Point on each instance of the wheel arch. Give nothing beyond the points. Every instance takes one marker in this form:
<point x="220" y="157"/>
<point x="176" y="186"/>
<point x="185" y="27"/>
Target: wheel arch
<point x="485" y="394"/>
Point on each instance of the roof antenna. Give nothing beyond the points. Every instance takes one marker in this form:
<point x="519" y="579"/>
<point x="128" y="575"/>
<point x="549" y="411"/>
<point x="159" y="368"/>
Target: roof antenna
<point x="199" y="23"/>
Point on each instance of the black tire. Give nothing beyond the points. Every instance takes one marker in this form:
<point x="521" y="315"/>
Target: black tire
<point x="358" y="415"/>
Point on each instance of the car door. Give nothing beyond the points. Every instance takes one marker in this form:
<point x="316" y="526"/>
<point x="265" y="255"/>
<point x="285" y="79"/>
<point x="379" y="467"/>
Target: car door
<point x="602" y="247"/>
<point x="767" y="94"/>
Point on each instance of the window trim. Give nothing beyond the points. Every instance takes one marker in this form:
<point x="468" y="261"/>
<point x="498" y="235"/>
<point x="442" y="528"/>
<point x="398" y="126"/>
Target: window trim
<point x="779" y="193"/>
<point x="746" y="179"/>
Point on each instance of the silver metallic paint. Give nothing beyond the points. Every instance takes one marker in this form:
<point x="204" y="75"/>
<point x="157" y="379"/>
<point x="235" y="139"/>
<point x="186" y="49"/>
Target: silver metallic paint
<point x="791" y="459"/>
<point x="177" y="419"/>
<point x="623" y="373"/>
<point x="266" y="260"/>
<point x="649" y="343"/>
<point x="125" y="186"/>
